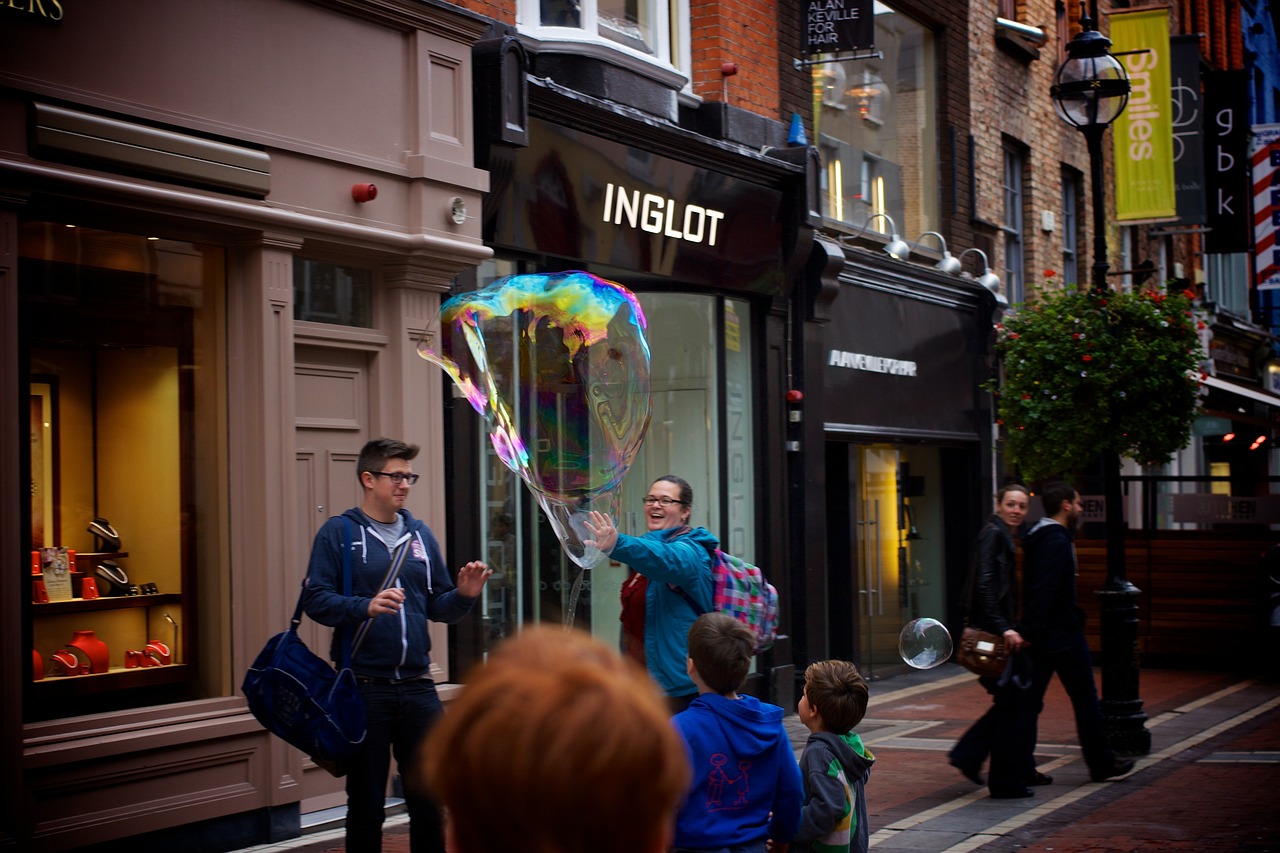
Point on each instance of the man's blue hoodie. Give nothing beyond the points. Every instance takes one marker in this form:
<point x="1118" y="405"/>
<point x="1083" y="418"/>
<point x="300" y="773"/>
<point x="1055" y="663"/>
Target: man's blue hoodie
<point x="746" y="783"/>
<point x="397" y="644"/>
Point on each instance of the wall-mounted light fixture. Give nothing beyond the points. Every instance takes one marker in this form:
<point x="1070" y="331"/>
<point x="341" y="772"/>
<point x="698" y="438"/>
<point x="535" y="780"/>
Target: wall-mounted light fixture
<point x="949" y="263"/>
<point x="988" y="279"/>
<point x="896" y="247"/>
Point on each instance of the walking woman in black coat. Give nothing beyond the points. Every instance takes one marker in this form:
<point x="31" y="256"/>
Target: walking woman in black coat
<point x="993" y="606"/>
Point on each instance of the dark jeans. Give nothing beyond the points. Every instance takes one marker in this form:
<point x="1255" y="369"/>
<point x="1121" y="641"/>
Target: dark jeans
<point x="399" y="717"/>
<point x="1068" y="656"/>
<point x="1001" y="733"/>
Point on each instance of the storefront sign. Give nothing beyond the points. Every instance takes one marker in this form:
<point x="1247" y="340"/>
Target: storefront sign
<point x="832" y="26"/>
<point x="1188" y="130"/>
<point x="873" y="363"/>
<point x="1223" y="509"/>
<point x="900" y="364"/>
<point x="594" y="201"/>
<point x="660" y="215"/>
<point x="1143" y="133"/>
<point x="1226" y="152"/>
<point x="47" y="11"/>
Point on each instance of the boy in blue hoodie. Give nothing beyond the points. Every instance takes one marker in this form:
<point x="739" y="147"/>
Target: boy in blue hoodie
<point x="746" y="784"/>
<point x="835" y="764"/>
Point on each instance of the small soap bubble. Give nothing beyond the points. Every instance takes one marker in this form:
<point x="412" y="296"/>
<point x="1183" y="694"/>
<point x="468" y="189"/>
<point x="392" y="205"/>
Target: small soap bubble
<point x="924" y="643"/>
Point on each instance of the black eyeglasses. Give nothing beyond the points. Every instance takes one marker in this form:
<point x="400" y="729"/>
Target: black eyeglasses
<point x="397" y="477"/>
<point x="663" y="501"/>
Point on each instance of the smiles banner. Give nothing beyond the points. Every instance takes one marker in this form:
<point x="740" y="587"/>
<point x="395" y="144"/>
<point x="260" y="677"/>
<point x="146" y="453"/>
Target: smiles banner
<point x="1143" y="134"/>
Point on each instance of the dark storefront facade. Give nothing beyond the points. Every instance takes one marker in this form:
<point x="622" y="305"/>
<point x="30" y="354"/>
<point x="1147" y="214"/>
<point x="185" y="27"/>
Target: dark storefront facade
<point x="899" y="453"/>
<point x="710" y="233"/>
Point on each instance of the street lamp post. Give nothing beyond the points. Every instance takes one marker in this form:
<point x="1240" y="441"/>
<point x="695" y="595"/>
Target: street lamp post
<point x="1090" y="91"/>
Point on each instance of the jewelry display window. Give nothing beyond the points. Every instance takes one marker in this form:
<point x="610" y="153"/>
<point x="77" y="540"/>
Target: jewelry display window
<point x="121" y="345"/>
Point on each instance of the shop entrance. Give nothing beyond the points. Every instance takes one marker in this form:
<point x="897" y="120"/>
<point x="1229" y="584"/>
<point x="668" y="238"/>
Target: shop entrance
<point x="885" y="547"/>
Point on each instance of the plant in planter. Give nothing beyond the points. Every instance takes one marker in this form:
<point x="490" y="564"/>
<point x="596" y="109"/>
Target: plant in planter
<point x="1088" y="372"/>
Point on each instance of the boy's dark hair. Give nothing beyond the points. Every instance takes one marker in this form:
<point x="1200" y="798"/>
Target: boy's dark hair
<point x="376" y="453"/>
<point x="838" y="692"/>
<point x="721" y="648"/>
<point x="1055" y="494"/>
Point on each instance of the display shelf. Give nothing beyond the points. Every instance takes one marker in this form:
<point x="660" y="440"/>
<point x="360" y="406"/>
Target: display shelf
<point x="119" y="678"/>
<point x="115" y="602"/>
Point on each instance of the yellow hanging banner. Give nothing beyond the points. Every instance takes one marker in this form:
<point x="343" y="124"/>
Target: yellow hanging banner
<point x="1143" y="134"/>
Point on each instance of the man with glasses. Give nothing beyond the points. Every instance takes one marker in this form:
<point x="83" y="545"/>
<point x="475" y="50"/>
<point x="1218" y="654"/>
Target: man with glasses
<point x="398" y="582"/>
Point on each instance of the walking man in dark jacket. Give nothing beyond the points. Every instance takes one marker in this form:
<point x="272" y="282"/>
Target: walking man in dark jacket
<point x="1054" y="623"/>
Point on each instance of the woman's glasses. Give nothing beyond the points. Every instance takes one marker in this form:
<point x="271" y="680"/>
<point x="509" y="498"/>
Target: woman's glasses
<point x="663" y="501"/>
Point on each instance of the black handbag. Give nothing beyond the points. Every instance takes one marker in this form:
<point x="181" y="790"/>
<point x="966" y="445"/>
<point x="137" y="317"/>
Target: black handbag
<point x="301" y="698"/>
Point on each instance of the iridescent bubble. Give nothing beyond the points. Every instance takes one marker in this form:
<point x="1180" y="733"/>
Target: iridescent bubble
<point x="924" y="643"/>
<point x="558" y="365"/>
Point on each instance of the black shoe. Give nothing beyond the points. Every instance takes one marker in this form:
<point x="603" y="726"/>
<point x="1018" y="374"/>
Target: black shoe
<point x="1012" y="793"/>
<point x="973" y="774"/>
<point x="1119" y="768"/>
<point x="1039" y="778"/>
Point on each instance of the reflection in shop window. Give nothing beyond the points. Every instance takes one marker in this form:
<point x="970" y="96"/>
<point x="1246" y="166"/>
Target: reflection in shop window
<point x="876" y="128"/>
<point x="122" y="346"/>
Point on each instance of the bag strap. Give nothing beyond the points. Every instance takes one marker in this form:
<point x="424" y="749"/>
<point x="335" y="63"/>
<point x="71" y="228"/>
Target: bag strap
<point x="393" y="572"/>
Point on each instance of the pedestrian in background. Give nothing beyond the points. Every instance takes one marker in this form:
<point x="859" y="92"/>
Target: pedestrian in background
<point x="746" y="785"/>
<point x="835" y="765"/>
<point x="676" y="561"/>
<point x="392" y="661"/>
<point x="993" y="607"/>
<point x="1054" y="623"/>
<point x="557" y="745"/>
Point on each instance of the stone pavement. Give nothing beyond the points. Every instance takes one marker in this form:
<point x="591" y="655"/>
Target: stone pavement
<point x="1210" y="783"/>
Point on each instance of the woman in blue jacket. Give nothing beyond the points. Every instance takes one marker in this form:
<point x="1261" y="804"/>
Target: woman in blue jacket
<point x="676" y="560"/>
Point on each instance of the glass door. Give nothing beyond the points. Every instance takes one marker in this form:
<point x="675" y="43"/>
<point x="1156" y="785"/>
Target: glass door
<point x="898" y="549"/>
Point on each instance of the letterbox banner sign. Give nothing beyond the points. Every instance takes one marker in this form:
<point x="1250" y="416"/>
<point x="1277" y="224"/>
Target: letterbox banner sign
<point x="1188" y="130"/>
<point x="834" y="26"/>
<point x="1264" y="155"/>
<point x="1143" y="134"/>
<point x="1226" y="95"/>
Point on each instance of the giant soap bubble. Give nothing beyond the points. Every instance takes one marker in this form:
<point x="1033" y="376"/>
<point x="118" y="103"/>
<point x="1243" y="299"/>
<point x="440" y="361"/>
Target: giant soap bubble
<point x="924" y="643"/>
<point x="558" y="365"/>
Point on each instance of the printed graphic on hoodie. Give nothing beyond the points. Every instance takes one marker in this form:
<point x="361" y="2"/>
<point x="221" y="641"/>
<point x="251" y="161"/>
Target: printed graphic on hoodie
<point x="727" y="792"/>
<point x="839" y="837"/>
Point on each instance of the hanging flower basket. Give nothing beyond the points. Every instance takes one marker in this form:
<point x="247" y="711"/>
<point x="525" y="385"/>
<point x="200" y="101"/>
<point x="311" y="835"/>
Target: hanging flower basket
<point x="1090" y="372"/>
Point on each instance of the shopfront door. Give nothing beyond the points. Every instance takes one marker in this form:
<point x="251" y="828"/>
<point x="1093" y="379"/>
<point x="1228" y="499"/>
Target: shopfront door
<point x="887" y="546"/>
<point x="332" y="424"/>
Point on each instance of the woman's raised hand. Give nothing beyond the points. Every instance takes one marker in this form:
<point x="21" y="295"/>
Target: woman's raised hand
<point x="603" y="530"/>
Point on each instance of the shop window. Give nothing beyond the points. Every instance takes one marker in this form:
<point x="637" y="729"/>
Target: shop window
<point x="121" y="350"/>
<point x="655" y="30"/>
<point x="875" y="122"/>
<point x="702" y="429"/>
<point x="330" y="293"/>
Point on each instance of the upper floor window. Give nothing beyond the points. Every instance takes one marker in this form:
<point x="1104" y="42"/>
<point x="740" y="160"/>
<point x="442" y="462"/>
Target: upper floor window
<point x="655" y="30"/>
<point x="875" y="123"/>
<point x="1071" y="181"/>
<point x="1014" y="219"/>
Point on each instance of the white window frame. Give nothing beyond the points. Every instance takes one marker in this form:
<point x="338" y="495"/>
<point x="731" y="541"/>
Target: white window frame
<point x="1014" y="189"/>
<point x="671" y="23"/>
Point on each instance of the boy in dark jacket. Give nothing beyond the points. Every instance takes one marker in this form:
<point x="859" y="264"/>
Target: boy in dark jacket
<point x="746" y="785"/>
<point x="835" y="763"/>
